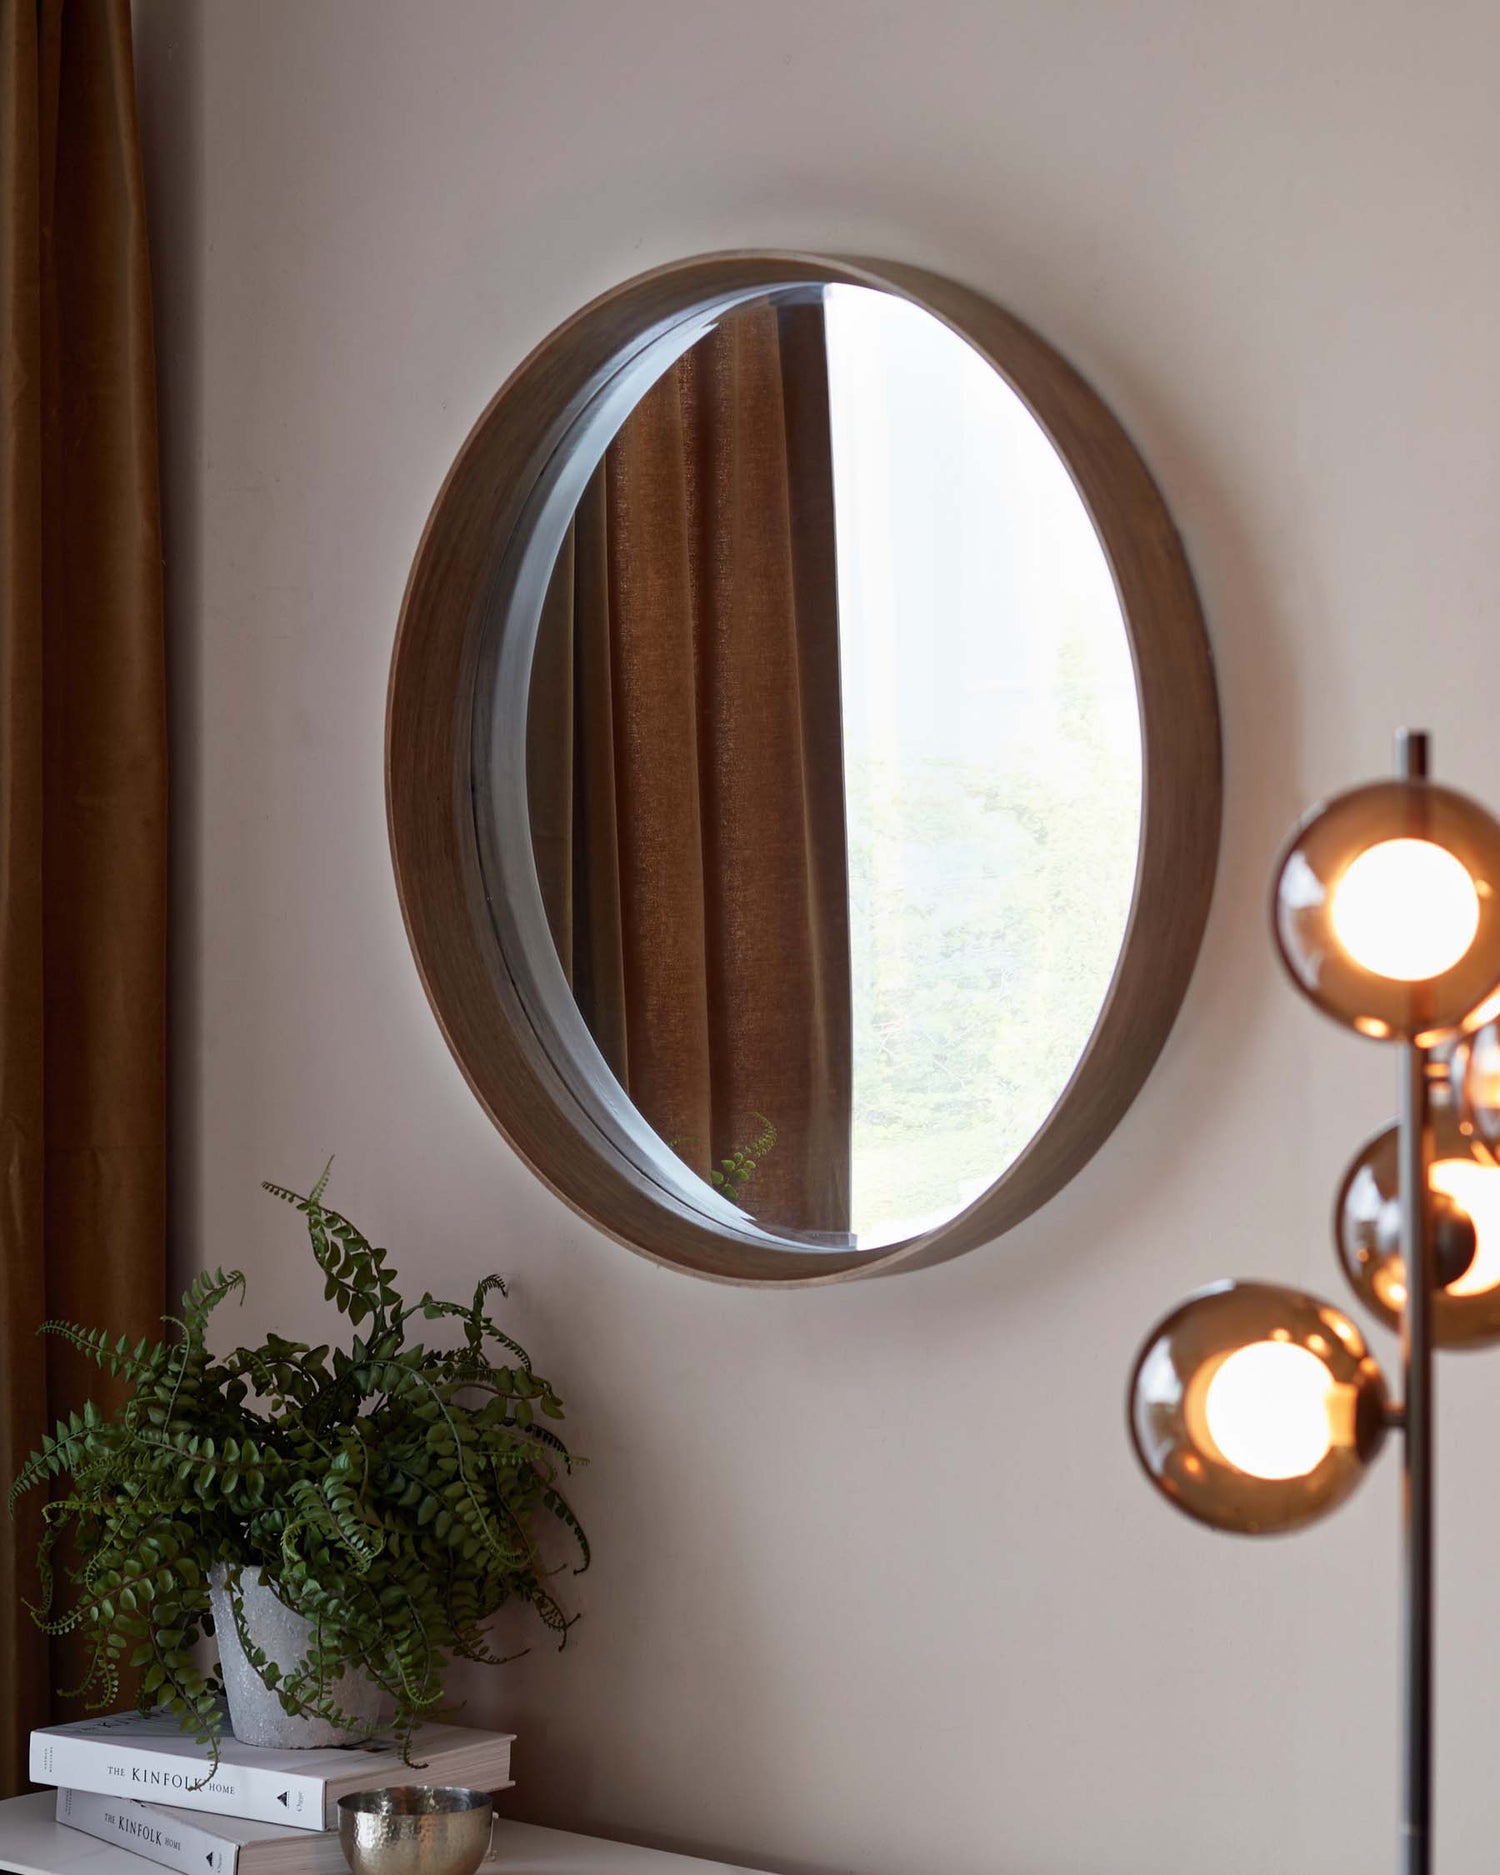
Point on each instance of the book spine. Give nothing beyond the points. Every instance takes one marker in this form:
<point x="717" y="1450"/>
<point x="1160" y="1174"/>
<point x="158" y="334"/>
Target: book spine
<point x="186" y="1783"/>
<point x="143" y="1831"/>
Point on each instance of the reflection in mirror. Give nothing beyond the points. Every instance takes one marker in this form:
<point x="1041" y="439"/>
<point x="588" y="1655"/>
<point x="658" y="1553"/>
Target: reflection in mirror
<point x="833" y="766"/>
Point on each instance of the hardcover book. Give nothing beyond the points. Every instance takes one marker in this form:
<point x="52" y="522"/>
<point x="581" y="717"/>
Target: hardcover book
<point x="146" y="1756"/>
<point x="199" y="1844"/>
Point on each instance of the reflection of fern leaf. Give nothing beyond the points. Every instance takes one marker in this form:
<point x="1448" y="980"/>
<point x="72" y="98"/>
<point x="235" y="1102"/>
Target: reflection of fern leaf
<point x="764" y="1140"/>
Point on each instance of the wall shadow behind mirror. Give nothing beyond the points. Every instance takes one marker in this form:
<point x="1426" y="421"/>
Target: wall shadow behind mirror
<point x="833" y="768"/>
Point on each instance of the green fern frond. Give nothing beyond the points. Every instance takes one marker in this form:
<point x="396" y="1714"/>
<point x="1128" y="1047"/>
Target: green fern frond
<point x="136" y="1364"/>
<point x="204" y="1294"/>
<point x="315" y="1196"/>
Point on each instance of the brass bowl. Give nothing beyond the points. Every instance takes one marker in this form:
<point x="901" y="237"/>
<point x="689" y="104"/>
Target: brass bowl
<point x="415" y="1829"/>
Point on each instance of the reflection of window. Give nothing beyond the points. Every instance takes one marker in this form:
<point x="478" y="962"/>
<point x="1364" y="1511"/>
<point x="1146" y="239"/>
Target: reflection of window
<point x="993" y="761"/>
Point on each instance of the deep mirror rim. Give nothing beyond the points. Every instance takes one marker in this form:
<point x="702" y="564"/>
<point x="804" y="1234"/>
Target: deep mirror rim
<point x="449" y="607"/>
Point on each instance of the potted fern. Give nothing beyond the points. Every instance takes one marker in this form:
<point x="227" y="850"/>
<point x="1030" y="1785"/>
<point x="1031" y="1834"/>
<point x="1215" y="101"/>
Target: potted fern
<point x="348" y="1518"/>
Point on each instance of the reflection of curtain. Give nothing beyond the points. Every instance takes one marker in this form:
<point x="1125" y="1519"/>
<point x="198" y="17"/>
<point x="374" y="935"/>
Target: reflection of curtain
<point x="82" y="760"/>
<point x="685" y="764"/>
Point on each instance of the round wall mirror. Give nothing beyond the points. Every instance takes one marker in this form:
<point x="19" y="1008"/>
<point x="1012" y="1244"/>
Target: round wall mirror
<point x="803" y="766"/>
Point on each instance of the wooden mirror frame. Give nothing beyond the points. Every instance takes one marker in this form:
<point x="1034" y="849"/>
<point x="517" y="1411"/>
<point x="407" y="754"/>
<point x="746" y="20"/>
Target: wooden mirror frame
<point x="460" y="603"/>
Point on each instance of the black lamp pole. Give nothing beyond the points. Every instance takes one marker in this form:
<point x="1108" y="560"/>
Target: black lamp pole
<point x="1416" y="1414"/>
<point x="1386" y="912"/>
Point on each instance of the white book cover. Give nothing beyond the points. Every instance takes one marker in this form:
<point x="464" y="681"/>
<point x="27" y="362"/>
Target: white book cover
<point x="148" y="1757"/>
<point x="196" y="1844"/>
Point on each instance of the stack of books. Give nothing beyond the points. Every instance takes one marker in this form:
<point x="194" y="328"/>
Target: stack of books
<point x="139" y="1782"/>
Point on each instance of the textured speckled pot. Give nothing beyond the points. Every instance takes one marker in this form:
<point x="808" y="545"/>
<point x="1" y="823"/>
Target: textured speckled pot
<point x="256" y="1714"/>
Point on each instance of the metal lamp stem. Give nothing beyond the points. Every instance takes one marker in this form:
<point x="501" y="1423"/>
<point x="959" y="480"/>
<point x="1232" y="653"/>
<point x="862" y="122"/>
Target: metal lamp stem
<point x="1416" y="1356"/>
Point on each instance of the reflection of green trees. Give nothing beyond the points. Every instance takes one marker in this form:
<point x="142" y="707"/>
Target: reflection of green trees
<point x="997" y="907"/>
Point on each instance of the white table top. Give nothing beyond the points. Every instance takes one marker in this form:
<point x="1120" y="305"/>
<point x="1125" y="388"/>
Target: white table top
<point x="33" y="1843"/>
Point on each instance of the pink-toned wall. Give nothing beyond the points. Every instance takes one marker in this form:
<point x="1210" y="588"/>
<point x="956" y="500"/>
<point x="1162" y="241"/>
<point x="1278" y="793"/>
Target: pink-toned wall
<point x="877" y="1588"/>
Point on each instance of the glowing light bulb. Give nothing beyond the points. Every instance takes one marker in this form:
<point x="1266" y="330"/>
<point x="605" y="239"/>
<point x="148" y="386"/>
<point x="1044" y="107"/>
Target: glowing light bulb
<point x="1405" y="909"/>
<point x="1474" y="1188"/>
<point x="1267" y="1410"/>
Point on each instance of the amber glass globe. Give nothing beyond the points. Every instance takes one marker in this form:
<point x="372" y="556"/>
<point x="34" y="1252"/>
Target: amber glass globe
<point x="1256" y="1408"/>
<point x="1476" y="1077"/>
<point x="1465" y="1220"/>
<point x="1386" y="910"/>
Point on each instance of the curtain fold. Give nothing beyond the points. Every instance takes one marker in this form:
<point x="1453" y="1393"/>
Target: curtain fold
<point x="82" y="762"/>
<point x="685" y="764"/>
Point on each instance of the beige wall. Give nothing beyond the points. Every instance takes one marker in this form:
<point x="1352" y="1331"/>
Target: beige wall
<point x="877" y="1587"/>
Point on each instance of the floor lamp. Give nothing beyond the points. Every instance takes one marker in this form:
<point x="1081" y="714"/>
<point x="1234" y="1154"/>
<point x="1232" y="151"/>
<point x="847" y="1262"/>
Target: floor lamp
<point x="1256" y="1408"/>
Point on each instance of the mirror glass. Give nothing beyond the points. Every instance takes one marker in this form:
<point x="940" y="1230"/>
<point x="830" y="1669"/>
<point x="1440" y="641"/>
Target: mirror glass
<point x="832" y="766"/>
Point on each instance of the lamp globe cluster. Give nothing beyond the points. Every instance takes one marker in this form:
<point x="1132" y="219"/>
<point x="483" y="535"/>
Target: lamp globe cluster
<point x="1256" y="1408"/>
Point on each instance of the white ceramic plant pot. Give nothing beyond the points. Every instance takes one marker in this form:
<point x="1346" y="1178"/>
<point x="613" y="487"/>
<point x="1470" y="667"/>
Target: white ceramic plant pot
<point x="256" y="1714"/>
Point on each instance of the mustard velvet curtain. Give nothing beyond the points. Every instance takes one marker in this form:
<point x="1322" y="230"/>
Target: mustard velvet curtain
<point x="82" y="760"/>
<point x="685" y="764"/>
